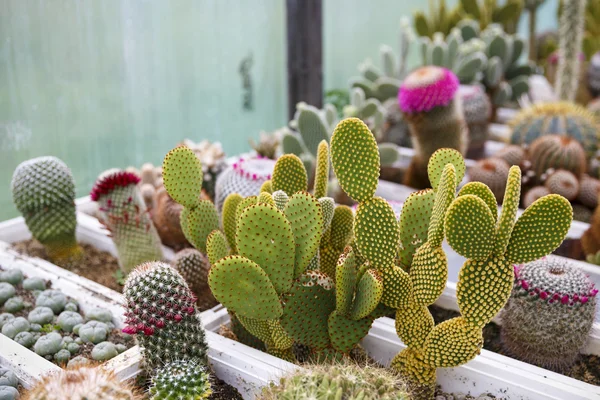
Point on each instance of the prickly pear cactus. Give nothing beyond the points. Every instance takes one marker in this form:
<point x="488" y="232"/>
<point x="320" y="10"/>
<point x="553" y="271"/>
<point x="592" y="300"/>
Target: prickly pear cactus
<point x="181" y="380"/>
<point x="550" y="313"/>
<point x="43" y="191"/>
<point x="123" y="212"/>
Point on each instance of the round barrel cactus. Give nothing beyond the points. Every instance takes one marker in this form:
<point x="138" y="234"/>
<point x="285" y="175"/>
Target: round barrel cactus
<point x="557" y="152"/>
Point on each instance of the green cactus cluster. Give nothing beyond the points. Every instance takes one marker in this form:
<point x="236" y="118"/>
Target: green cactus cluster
<point x="590" y="240"/>
<point x="124" y="213"/>
<point x="43" y="191"/>
<point x="181" y="380"/>
<point x="550" y="313"/>
<point x="472" y="227"/>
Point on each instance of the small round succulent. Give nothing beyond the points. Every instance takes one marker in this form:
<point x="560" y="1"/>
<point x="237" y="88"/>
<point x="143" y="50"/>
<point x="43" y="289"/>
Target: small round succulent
<point x="41" y="315"/>
<point x="14" y="326"/>
<point x="53" y="299"/>
<point x="104" y="351"/>
<point x="557" y="152"/>
<point x="426" y="88"/>
<point x="564" y="183"/>
<point x="14" y="276"/>
<point x="181" y="380"/>
<point x="6" y="292"/>
<point x="549" y="315"/>
<point x="68" y="319"/>
<point x="588" y="191"/>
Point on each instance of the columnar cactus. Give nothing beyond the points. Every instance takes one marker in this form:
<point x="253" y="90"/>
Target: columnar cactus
<point x="344" y="381"/>
<point x="473" y="229"/>
<point x="166" y="216"/>
<point x="552" y="152"/>
<point x="493" y="173"/>
<point x="81" y="384"/>
<point x="565" y="119"/>
<point x="181" y="380"/>
<point x="572" y="23"/>
<point x="550" y="313"/>
<point x="428" y="99"/>
<point x="193" y="267"/>
<point x="478" y="111"/>
<point x="43" y="191"/>
<point x="123" y="212"/>
<point x="161" y="312"/>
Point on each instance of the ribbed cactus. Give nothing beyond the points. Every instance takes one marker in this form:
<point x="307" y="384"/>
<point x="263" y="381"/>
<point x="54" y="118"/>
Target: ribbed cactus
<point x="493" y="173"/>
<point x="244" y="177"/>
<point x="181" y="380"/>
<point x="472" y="227"/>
<point x="161" y="312"/>
<point x="550" y="313"/>
<point x="123" y="212"/>
<point x="84" y="383"/>
<point x="564" y="183"/>
<point x="478" y="111"/>
<point x="344" y="381"/>
<point x="593" y="75"/>
<point x="43" y="191"/>
<point x="166" y="216"/>
<point x="552" y="152"/>
<point x="506" y="13"/>
<point x="589" y="188"/>
<point x="193" y="267"/>
<point x="572" y="23"/>
<point x="512" y="154"/>
<point x="428" y="99"/>
<point x="560" y="118"/>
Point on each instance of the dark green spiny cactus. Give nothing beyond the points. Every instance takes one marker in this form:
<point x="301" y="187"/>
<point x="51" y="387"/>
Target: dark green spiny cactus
<point x="181" y="380"/>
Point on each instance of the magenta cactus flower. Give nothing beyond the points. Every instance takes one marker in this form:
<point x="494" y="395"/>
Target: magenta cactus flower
<point x="426" y="88"/>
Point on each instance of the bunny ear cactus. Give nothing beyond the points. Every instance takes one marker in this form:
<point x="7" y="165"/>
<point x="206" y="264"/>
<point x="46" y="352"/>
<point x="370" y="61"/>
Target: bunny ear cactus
<point x="123" y="212"/>
<point x="43" y="191"/>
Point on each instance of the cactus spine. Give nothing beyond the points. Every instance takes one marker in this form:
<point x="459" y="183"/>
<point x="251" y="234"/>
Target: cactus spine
<point x="124" y="213"/>
<point x="572" y="23"/>
<point x="181" y="380"/>
<point x="43" y="191"/>
<point x="493" y="173"/>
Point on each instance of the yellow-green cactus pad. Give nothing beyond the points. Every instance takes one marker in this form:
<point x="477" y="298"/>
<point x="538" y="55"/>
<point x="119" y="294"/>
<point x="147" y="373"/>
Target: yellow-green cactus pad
<point x="377" y="233"/>
<point x="397" y="287"/>
<point x="342" y="226"/>
<point x="304" y="214"/>
<point x="346" y="333"/>
<point x="414" y="222"/>
<point x="510" y="206"/>
<point x="322" y="171"/>
<point x="408" y="363"/>
<point x="482" y="191"/>
<point x="265" y="236"/>
<point x="279" y="336"/>
<point x="216" y="247"/>
<point x="451" y="343"/>
<point x="345" y="282"/>
<point x="413" y="324"/>
<point x="439" y="160"/>
<point x="258" y="327"/>
<point x="281" y="199"/>
<point x="307" y="309"/>
<point x="229" y="214"/>
<point x="355" y="159"/>
<point x="267" y="187"/>
<point x="198" y="222"/>
<point x="328" y="260"/>
<point x="284" y="354"/>
<point x="328" y="209"/>
<point x="443" y="197"/>
<point x="428" y="273"/>
<point x="289" y="175"/>
<point x="235" y="280"/>
<point x="182" y="176"/>
<point x="483" y="288"/>
<point x="368" y="294"/>
<point x="540" y="229"/>
<point x="245" y="203"/>
<point x="266" y="198"/>
<point x="470" y="227"/>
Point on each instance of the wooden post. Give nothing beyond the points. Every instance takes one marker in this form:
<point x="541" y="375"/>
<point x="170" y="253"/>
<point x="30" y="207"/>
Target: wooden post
<point x="304" y="53"/>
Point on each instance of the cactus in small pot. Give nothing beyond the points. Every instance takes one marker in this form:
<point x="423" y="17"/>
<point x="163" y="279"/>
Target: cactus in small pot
<point x="550" y="313"/>
<point x="428" y="100"/>
<point x="564" y="183"/>
<point x="43" y="191"/>
<point x="123" y="212"/>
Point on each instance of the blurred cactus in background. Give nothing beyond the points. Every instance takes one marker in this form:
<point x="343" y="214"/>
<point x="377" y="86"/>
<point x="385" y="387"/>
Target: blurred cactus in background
<point x="267" y="145"/>
<point x="43" y="191"/>
<point x="490" y="11"/>
<point x="593" y="78"/>
<point x="478" y="111"/>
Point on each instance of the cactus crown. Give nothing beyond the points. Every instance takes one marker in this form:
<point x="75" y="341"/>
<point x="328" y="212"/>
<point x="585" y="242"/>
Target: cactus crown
<point x="181" y="380"/>
<point x="111" y="179"/>
<point x="427" y="88"/>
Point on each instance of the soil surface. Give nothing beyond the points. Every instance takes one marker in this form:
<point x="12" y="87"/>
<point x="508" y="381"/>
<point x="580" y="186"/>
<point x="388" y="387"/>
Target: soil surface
<point x="96" y="265"/>
<point x="586" y="368"/>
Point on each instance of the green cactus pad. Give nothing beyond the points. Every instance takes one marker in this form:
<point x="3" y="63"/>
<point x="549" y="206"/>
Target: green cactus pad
<point x="355" y="159"/>
<point x="289" y="175"/>
<point x="470" y="227"/>
<point x="281" y="199"/>
<point x="229" y="214"/>
<point x="346" y="333"/>
<point x="266" y="198"/>
<point x="328" y="209"/>
<point x="540" y="230"/>
<point x="342" y="226"/>
<point x="397" y="287"/>
<point x="438" y="162"/>
<point x="182" y="176"/>
<point x="408" y="363"/>
<point x="510" y="206"/>
<point x="307" y="308"/>
<point x="245" y="203"/>
<point x="266" y="187"/>
<point x="413" y="324"/>
<point x="328" y="260"/>
<point x="484" y="193"/>
<point x="345" y="282"/>
<point x="279" y="336"/>
<point x="443" y="197"/>
<point x="377" y="233"/>
<point x="291" y="144"/>
<point x="368" y="294"/>
<point x="304" y="214"/>
<point x="235" y="279"/>
<point x="265" y="236"/>
<point x="197" y="223"/>
<point x="428" y="274"/>
<point x="414" y="221"/>
<point x="322" y="173"/>
<point x="216" y="247"/>
<point x="451" y="343"/>
<point x="312" y="129"/>
<point x="483" y="288"/>
<point x="257" y="327"/>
